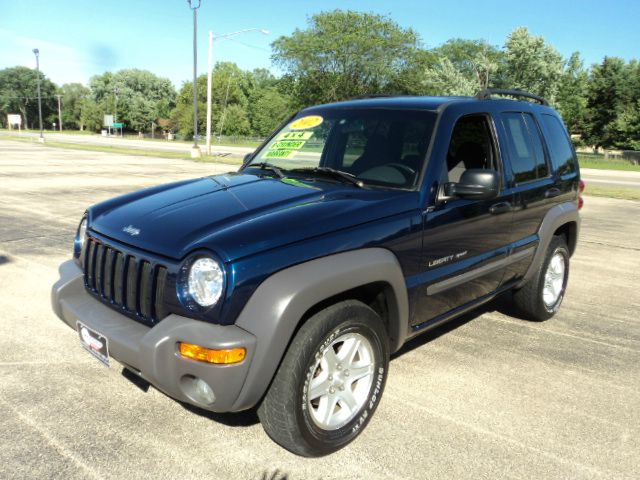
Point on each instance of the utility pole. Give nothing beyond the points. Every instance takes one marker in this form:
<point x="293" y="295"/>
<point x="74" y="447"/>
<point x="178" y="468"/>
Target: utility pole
<point x="224" y="110"/>
<point x="210" y="72"/>
<point x="59" y="111"/>
<point x="36" y="52"/>
<point x="194" y="5"/>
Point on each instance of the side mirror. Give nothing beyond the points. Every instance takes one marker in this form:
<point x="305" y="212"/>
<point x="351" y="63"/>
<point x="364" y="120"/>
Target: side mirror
<point x="475" y="184"/>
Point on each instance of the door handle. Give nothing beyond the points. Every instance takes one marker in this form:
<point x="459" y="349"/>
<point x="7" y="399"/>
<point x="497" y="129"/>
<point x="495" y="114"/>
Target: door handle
<point x="552" y="192"/>
<point x="502" y="207"/>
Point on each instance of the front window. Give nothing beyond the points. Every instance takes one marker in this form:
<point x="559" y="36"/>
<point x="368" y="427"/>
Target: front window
<point x="375" y="146"/>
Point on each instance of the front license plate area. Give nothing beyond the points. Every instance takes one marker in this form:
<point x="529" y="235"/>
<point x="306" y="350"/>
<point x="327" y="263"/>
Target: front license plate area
<point x="94" y="342"/>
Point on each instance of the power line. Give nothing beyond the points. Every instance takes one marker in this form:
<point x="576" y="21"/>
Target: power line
<point x="248" y="45"/>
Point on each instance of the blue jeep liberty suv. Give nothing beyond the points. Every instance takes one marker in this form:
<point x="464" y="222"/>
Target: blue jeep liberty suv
<point x="355" y="227"/>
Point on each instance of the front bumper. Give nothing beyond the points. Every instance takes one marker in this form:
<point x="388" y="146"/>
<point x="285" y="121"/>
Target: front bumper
<point x="153" y="352"/>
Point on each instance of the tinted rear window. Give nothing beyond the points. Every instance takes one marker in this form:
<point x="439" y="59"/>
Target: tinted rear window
<point x="525" y="147"/>
<point x="559" y="145"/>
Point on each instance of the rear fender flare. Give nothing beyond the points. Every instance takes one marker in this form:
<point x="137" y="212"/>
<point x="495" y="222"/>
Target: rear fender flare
<point x="554" y="219"/>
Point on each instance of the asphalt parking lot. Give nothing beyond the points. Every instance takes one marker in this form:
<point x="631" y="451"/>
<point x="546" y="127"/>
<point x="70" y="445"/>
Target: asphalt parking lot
<point x="489" y="396"/>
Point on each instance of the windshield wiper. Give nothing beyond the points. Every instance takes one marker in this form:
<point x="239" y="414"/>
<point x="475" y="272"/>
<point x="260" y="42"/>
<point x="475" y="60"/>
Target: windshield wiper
<point x="339" y="174"/>
<point x="268" y="166"/>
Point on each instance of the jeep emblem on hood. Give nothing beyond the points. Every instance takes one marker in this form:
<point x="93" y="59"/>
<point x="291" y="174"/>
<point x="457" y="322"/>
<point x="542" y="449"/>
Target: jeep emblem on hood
<point x="131" y="230"/>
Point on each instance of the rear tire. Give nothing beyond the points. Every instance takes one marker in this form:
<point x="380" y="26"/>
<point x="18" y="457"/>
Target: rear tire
<point x="540" y="298"/>
<point x="330" y="381"/>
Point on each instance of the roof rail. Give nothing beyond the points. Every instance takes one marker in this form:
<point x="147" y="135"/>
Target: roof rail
<point x="373" y="95"/>
<point x="486" y="95"/>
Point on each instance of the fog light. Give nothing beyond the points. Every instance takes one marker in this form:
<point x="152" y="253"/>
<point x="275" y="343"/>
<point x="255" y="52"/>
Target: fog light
<point x="201" y="354"/>
<point x="202" y="392"/>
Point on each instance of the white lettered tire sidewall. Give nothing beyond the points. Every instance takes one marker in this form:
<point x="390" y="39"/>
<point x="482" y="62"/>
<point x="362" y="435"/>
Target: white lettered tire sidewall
<point x="284" y="411"/>
<point x="349" y="431"/>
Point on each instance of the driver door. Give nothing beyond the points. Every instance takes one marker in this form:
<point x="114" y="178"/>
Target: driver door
<point x="465" y="241"/>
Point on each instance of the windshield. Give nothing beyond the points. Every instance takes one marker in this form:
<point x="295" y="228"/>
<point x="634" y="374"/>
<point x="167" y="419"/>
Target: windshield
<point x="376" y="146"/>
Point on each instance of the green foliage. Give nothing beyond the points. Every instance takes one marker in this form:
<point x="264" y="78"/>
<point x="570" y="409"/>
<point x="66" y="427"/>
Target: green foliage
<point x="73" y="95"/>
<point x="446" y="79"/>
<point x="572" y="94"/>
<point x="234" y="121"/>
<point x="477" y="61"/>
<point x="532" y="64"/>
<point x="243" y="103"/>
<point x="344" y="54"/>
<point x="19" y="94"/>
<point x="267" y="109"/>
<point x="604" y="102"/>
<point x="136" y="97"/>
<point x="91" y="114"/>
<point x="340" y="55"/>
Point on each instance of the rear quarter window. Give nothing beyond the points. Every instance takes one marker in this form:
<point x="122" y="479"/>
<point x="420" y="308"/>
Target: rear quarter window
<point x="526" y="153"/>
<point x="562" y="155"/>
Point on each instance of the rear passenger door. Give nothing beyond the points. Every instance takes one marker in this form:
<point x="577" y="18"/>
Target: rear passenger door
<point x="530" y="180"/>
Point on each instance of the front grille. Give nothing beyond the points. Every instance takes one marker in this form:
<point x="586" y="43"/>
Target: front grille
<point x="130" y="284"/>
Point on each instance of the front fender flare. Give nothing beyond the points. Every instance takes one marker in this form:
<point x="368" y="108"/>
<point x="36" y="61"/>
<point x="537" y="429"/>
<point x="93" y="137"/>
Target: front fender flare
<point x="275" y="309"/>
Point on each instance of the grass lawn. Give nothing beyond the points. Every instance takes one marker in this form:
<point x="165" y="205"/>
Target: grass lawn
<point x="600" y="163"/>
<point x="46" y="132"/>
<point x="612" y="192"/>
<point x="130" y="151"/>
<point x="225" y="141"/>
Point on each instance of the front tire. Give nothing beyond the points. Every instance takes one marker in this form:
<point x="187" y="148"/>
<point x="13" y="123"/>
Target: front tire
<point x="330" y="381"/>
<point x="540" y="298"/>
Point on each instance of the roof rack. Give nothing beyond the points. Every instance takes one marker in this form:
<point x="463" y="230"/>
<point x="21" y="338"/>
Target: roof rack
<point x="373" y="95"/>
<point x="486" y="95"/>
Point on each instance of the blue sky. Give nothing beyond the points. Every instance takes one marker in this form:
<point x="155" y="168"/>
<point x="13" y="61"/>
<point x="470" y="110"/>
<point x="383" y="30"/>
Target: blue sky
<point x="81" y="38"/>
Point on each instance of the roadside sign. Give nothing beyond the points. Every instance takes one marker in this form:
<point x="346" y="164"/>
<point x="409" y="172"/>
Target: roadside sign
<point x="117" y="125"/>
<point x="14" y="119"/>
<point x="108" y="120"/>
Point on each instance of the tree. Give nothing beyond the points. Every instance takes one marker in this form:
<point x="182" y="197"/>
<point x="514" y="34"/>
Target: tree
<point x="572" y="94"/>
<point x="91" y="114"/>
<point x="234" y="121"/>
<point x="604" y="102"/>
<point x="230" y="86"/>
<point x="628" y="124"/>
<point x="532" y="64"/>
<point x="267" y="109"/>
<point x="446" y="79"/>
<point x="137" y="97"/>
<point x="73" y="95"/>
<point x="344" y="54"/>
<point x="19" y="94"/>
<point x="478" y="61"/>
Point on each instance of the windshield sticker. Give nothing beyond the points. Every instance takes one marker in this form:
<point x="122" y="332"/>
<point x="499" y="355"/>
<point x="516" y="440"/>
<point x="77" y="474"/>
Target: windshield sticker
<point x="295" y="136"/>
<point x="288" y="145"/>
<point x="280" y="153"/>
<point x="307" y="122"/>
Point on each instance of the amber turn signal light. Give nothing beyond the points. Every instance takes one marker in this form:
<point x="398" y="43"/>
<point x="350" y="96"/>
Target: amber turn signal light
<point x="201" y="354"/>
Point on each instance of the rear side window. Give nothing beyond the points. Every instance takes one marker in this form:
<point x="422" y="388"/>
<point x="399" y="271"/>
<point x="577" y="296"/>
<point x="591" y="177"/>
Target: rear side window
<point x="525" y="146"/>
<point x="559" y="145"/>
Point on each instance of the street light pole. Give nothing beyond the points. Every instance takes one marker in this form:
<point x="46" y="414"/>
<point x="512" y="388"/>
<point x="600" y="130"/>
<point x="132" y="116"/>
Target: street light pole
<point x="210" y="72"/>
<point x="36" y="52"/>
<point x="209" y="79"/>
<point x="115" y="109"/>
<point x="59" y="111"/>
<point x="195" y="5"/>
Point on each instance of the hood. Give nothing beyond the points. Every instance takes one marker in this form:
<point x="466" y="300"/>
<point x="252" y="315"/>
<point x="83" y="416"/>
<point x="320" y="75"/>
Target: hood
<point x="236" y="214"/>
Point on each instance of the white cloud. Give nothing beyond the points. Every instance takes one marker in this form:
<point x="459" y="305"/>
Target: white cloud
<point x="60" y="63"/>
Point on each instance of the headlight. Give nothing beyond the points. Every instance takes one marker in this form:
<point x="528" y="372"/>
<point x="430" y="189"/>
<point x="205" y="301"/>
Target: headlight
<point x="205" y="281"/>
<point x="81" y="236"/>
